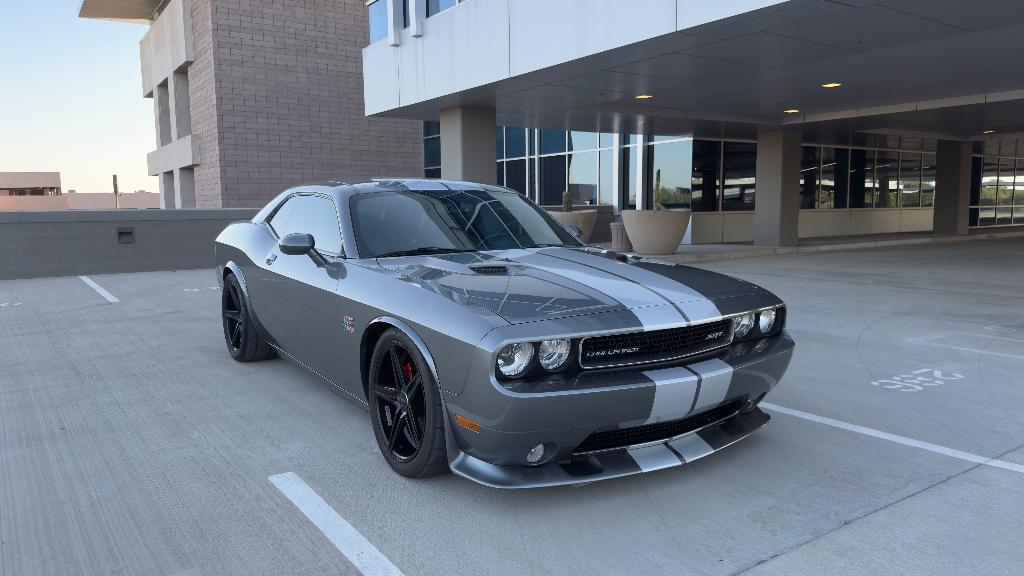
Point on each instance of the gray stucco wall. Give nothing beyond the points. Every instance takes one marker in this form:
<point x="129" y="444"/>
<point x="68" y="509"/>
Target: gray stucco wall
<point x="41" y="244"/>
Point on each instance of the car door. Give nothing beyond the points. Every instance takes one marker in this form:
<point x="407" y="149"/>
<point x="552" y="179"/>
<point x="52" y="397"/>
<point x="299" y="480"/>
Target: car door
<point x="301" y="308"/>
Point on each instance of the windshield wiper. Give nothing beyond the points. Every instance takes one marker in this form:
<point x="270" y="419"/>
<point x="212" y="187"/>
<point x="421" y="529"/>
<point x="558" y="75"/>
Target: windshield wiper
<point x="423" y="251"/>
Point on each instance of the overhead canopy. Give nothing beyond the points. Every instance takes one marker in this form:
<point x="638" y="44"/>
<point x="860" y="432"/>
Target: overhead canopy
<point x="137" y="11"/>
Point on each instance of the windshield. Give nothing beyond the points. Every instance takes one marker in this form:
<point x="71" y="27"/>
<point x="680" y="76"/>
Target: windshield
<point x="426" y="221"/>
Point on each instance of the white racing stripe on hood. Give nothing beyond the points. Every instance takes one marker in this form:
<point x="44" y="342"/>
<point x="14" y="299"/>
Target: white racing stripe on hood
<point x="628" y="292"/>
<point x="658" y="317"/>
<point x="694" y="304"/>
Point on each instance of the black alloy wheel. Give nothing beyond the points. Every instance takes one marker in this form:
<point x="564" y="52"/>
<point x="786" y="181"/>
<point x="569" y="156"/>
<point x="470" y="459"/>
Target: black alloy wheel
<point x="243" y="342"/>
<point x="405" y="408"/>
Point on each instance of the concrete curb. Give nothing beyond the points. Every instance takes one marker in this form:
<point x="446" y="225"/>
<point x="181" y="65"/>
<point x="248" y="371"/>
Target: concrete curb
<point x="758" y="252"/>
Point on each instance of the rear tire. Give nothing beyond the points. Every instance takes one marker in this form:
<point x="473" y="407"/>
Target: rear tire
<point x="244" y="343"/>
<point x="405" y="408"/>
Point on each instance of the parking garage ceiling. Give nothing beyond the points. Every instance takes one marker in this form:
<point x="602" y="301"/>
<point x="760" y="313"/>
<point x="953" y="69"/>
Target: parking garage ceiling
<point x="927" y="69"/>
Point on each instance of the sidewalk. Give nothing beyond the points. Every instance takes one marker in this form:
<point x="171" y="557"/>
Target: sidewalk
<point x="708" y="252"/>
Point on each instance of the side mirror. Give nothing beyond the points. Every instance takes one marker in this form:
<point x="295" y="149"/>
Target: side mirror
<point x="574" y="230"/>
<point x="297" y="244"/>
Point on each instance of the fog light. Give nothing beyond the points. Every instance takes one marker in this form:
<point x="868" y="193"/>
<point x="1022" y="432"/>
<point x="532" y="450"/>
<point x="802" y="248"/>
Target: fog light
<point x="536" y="454"/>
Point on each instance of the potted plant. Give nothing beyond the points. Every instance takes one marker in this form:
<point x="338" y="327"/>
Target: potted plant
<point x="658" y="231"/>
<point x="584" y="219"/>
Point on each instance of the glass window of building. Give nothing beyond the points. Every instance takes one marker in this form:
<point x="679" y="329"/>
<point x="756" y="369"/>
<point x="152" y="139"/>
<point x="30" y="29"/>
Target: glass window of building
<point x="706" y="180"/>
<point x="810" y="170"/>
<point x="975" y="213"/>
<point x="583" y="177"/>
<point x="515" y="176"/>
<point x="607" y="140"/>
<point x="552" y="180"/>
<point x="627" y="175"/>
<point x="552" y="141"/>
<point x="606" y="187"/>
<point x="500" y="175"/>
<point x="928" y="181"/>
<point x="739" y="168"/>
<point x="515" y="142"/>
<point x="432" y="152"/>
<point x="1018" y="195"/>
<point x="436" y="6"/>
<point x="582" y="141"/>
<point x="378" y="20"/>
<point x="431" y="128"/>
<point x="887" y="172"/>
<point x="862" y="178"/>
<point x="670" y="173"/>
<point x="989" y="188"/>
<point x="1004" y="194"/>
<point x="910" y="180"/>
<point x="499" y="142"/>
<point x="432" y="172"/>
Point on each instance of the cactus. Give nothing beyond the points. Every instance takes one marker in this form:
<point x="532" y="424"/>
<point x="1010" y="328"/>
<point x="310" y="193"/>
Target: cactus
<point x="566" y="201"/>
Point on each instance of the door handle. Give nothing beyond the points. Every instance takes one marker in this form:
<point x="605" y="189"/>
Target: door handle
<point x="271" y="258"/>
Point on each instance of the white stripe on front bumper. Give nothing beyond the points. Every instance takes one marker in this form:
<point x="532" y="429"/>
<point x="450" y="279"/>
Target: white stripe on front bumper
<point x="715" y="379"/>
<point x="656" y="457"/>
<point x="673" y="393"/>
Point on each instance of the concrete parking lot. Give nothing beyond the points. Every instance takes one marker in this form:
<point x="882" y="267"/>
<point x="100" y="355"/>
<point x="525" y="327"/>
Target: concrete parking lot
<point x="130" y="443"/>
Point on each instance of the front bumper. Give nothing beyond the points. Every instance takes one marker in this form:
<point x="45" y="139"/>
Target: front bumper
<point x="617" y="463"/>
<point x="602" y="401"/>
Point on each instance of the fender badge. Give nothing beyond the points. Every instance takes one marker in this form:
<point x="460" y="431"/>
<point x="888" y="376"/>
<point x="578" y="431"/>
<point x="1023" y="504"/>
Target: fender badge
<point x="349" y="324"/>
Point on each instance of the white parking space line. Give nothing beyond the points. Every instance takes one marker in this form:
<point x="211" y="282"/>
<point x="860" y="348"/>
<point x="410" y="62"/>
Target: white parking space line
<point x="967" y="456"/>
<point x="359" y="551"/>
<point x="102" y="291"/>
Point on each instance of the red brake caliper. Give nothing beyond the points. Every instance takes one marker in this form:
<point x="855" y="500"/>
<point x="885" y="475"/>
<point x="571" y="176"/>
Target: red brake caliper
<point x="407" y="369"/>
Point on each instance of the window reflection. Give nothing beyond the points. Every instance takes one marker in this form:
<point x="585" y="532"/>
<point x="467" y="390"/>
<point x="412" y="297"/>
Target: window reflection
<point x="552" y="180"/>
<point x="606" y="188"/>
<point x="887" y="173"/>
<point x="552" y="141"/>
<point x="515" y="176"/>
<point x="670" y="173"/>
<point x="862" y="184"/>
<point x="583" y="177"/>
<point x="740" y="169"/>
<point x="910" y="180"/>
<point x="628" y="178"/>
<point x="809" y="172"/>
<point x="436" y="6"/>
<point x="515" y="142"/>
<point x="707" y="156"/>
<point x="928" y="181"/>
<point x="582" y="141"/>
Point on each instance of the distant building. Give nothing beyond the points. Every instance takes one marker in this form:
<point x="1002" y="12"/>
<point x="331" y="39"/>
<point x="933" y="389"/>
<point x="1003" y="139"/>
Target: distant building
<point x="41" y="191"/>
<point x="254" y="96"/>
<point x="30" y="184"/>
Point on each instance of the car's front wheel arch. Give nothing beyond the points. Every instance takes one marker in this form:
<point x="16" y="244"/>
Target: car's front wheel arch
<point x="374" y="330"/>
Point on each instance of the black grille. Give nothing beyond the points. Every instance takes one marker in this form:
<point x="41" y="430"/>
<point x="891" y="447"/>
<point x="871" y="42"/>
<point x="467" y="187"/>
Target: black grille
<point x="654" y="346"/>
<point x="612" y="439"/>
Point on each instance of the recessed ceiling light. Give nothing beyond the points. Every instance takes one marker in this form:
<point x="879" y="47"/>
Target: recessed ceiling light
<point x="643" y="97"/>
<point x="989" y="132"/>
<point x="832" y="85"/>
<point x="791" y="111"/>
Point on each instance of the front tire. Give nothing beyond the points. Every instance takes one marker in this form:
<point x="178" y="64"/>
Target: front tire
<point x="405" y="408"/>
<point x="244" y="343"/>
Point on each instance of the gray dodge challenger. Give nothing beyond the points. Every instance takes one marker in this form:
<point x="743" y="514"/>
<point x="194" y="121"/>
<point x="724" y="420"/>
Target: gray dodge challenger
<point x="487" y="339"/>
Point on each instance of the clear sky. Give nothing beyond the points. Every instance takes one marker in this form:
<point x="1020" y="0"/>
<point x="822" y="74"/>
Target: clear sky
<point x="71" y="97"/>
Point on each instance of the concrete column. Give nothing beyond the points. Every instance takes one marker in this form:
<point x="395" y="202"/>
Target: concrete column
<point x="167" y="195"/>
<point x="185" y="188"/>
<point x="162" y="107"/>
<point x="952" y="188"/>
<point x="777" y="205"/>
<point x="180" y="112"/>
<point x="467" y="144"/>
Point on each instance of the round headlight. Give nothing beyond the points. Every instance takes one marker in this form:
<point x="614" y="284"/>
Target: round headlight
<point x="553" y="354"/>
<point x="741" y="325"/>
<point x="766" y="321"/>
<point x="514" y="359"/>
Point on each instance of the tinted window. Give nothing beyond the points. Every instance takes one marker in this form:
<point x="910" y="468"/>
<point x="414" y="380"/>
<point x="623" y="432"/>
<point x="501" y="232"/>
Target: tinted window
<point x="279" y="222"/>
<point x="740" y="170"/>
<point x="317" y="215"/>
<point x="671" y="173"/>
<point x="706" y="163"/>
<point x="386" y="222"/>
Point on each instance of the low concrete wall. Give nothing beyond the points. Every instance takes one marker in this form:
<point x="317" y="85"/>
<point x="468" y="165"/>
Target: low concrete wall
<point x="70" y="243"/>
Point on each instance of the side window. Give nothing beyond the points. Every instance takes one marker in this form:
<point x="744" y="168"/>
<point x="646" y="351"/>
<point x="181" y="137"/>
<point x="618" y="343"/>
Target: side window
<point x="317" y="216"/>
<point x="279" y="222"/>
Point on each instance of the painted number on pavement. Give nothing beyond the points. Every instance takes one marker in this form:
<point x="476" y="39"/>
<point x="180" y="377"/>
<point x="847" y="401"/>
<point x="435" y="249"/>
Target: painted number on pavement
<point x="917" y="380"/>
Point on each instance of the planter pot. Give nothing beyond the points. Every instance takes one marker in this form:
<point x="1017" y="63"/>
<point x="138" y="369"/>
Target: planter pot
<point x="582" y="219"/>
<point x="655" y="232"/>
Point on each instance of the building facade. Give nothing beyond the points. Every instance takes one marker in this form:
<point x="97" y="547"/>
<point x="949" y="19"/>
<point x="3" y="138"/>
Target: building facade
<point x="30" y="184"/>
<point x="253" y="96"/>
<point x="771" y="120"/>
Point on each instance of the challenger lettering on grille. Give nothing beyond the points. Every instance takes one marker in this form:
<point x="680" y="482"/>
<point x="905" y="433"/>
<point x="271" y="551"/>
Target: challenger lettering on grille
<point x="655" y="345"/>
<point x="613" y="352"/>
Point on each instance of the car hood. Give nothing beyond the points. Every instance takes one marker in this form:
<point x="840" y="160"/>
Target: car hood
<point x="549" y="283"/>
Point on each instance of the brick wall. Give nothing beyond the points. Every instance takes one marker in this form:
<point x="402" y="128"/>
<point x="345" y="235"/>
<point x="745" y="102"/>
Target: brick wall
<point x="287" y="78"/>
<point x="202" y="105"/>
